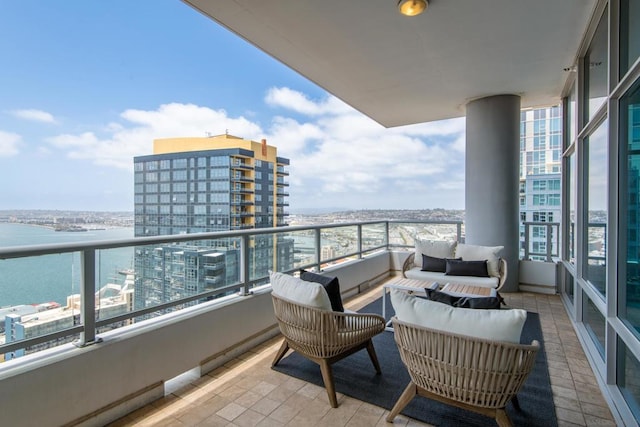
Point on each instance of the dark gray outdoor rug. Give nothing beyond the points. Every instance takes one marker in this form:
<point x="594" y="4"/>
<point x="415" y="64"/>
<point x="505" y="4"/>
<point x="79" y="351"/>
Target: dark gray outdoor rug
<point x="355" y="376"/>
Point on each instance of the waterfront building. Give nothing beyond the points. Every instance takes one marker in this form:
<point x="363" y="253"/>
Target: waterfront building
<point x="540" y="178"/>
<point x="22" y="322"/>
<point x="195" y="185"/>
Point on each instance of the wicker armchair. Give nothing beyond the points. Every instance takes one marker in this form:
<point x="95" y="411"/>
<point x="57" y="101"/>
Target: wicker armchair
<point x="470" y="373"/>
<point x="502" y="269"/>
<point x="325" y="337"/>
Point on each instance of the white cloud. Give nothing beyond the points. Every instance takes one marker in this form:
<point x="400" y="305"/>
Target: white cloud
<point x="34" y="115"/>
<point x="9" y="143"/>
<point x="336" y="153"/>
<point x="345" y="152"/>
<point x="300" y="103"/>
<point x="43" y="151"/>
<point x="134" y="136"/>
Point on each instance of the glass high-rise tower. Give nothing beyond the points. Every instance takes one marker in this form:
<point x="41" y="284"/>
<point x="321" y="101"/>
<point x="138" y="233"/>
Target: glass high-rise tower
<point x="540" y="178"/>
<point x="195" y="185"/>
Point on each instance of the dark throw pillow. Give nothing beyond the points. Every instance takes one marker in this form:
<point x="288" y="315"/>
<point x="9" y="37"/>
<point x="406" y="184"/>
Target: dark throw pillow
<point x="442" y="297"/>
<point x="330" y="284"/>
<point x="463" y="302"/>
<point x="466" y="268"/>
<point x="430" y="263"/>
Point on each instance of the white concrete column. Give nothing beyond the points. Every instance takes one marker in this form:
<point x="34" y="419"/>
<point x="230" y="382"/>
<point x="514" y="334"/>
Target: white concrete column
<point x="492" y="177"/>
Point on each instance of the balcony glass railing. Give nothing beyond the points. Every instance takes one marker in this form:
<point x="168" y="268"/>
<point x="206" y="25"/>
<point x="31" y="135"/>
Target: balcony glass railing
<point x="116" y="283"/>
<point x="540" y="241"/>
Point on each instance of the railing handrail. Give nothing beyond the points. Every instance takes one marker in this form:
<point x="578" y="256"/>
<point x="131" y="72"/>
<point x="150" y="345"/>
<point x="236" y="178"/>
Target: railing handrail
<point x="89" y="324"/>
<point x="549" y="254"/>
<point x="10" y="252"/>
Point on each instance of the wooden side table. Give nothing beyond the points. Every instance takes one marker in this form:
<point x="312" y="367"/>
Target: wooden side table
<point x="460" y="290"/>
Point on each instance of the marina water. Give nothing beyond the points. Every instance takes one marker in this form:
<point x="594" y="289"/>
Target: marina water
<point x="52" y="278"/>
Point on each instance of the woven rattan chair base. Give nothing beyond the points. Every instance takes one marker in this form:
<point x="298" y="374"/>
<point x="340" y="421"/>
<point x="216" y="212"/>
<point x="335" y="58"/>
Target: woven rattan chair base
<point x="470" y="373"/>
<point x="325" y="337"/>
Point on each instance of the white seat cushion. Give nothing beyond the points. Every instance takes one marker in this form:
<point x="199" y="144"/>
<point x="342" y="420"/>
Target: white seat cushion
<point x="486" y="282"/>
<point x="497" y="325"/>
<point x="434" y="248"/>
<point x="300" y="291"/>
<point x="480" y="253"/>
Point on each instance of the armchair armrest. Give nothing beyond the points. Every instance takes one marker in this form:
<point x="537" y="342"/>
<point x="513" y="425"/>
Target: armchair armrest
<point x="358" y="322"/>
<point x="502" y="269"/>
<point x="408" y="263"/>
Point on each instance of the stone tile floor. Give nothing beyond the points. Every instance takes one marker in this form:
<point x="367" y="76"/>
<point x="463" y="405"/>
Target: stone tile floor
<point x="246" y="392"/>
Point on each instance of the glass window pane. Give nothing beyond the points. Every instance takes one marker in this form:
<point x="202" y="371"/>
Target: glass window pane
<point x="628" y="379"/>
<point x="568" y="284"/>
<point x="595" y="69"/>
<point x="595" y="323"/>
<point x="629" y="34"/>
<point x="571" y="192"/>
<point x="629" y="306"/>
<point x="596" y="201"/>
<point x="571" y="116"/>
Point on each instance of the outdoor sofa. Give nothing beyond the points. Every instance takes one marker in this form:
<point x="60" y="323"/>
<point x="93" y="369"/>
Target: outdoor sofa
<point x="453" y="262"/>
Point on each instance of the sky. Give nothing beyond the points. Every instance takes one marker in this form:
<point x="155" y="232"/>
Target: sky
<point x="87" y="85"/>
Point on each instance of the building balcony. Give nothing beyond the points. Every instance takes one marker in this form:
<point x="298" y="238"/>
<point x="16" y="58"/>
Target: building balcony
<point x="242" y="203"/>
<point x="241" y="214"/>
<point x="246" y="179"/>
<point x="242" y="190"/>
<point x="190" y="371"/>
<point x="246" y="391"/>
<point x="241" y="165"/>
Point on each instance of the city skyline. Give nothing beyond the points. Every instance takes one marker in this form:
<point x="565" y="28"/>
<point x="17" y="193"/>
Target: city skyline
<point x="83" y="96"/>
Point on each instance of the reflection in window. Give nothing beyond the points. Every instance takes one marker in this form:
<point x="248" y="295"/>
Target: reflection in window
<point x="595" y="323"/>
<point x="568" y="284"/>
<point x="596" y="201"/>
<point x="629" y="34"/>
<point x="630" y="204"/>
<point x="571" y="172"/>
<point x="627" y="377"/>
<point x="571" y="116"/>
<point x="595" y="69"/>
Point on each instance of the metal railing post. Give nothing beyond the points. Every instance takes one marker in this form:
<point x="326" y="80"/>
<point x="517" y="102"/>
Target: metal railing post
<point x="387" y="232"/>
<point x="526" y="242"/>
<point x="359" y="241"/>
<point x="88" y="298"/>
<point x="244" y="265"/>
<point x="459" y="231"/>
<point x="318" y="248"/>
<point x="549" y="247"/>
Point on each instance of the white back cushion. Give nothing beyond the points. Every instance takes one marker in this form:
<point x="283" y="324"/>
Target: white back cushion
<point x="300" y="291"/>
<point x="434" y="248"/>
<point x="480" y="253"/>
<point x="442" y="279"/>
<point x="497" y="325"/>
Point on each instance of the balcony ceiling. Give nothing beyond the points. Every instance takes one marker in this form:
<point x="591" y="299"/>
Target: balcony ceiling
<point x="401" y="70"/>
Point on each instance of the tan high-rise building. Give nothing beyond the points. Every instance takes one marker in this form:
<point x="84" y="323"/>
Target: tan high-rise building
<point x="206" y="184"/>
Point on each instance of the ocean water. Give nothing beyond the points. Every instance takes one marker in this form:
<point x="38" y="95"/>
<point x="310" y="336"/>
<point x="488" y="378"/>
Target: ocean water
<point x="49" y="278"/>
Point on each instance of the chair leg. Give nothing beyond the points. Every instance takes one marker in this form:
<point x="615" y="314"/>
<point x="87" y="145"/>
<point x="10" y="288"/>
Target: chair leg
<point x="408" y="394"/>
<point x="327" y="377"/>
<point x="373" y="356"/>
<point x="281" y="352"/>
<point x="502" y="418"/>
